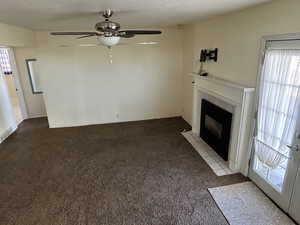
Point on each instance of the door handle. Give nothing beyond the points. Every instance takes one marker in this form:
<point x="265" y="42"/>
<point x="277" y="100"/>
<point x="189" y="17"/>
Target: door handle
<point x="294" y="148"/>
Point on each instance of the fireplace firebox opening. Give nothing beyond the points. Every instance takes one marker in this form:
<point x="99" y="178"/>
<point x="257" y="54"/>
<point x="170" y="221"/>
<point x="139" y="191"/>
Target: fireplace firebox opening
<point x="215" y="127"/>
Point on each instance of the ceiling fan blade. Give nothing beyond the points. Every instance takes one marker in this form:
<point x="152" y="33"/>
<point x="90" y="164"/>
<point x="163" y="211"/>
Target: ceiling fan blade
<point x="86" y="36"/>
<point x="75" y="33"/>
<point x="125" y="35"/>
<point x="140" y="32"/>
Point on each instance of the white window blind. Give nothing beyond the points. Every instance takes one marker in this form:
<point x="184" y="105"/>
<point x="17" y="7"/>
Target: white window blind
<point x="4" y="61"/>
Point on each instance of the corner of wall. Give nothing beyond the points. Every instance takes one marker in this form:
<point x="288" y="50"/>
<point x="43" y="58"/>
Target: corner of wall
<point x="188" y="61"/>
<point x="5" y="134"/>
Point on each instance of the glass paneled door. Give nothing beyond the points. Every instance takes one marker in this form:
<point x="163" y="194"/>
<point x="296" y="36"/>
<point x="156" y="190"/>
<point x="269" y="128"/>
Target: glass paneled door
<point x="276" y="143"/>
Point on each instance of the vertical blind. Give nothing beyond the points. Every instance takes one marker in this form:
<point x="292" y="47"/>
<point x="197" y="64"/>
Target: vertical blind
<point x="4" y="61"/>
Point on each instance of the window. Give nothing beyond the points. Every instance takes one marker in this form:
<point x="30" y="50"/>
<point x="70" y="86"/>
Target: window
<point x="5" y="62"/>
<point x="33" y="76"/>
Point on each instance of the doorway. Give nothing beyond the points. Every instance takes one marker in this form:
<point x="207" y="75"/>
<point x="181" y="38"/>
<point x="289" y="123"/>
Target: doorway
<point x="11" y="78"/>
<point x="275" y="156"/>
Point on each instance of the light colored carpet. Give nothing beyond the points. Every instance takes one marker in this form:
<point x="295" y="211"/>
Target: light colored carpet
<point x="245" y="204"/>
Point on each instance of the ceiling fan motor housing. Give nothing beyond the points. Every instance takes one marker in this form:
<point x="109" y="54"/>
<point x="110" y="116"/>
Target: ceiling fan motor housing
<point x="107" y="26"/>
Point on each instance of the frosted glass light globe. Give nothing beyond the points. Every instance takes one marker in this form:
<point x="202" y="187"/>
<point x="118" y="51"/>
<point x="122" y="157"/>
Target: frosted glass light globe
<point x="109" y="41"/>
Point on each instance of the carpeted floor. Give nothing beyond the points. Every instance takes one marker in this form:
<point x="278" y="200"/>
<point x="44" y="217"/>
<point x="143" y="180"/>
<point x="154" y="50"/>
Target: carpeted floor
<point x="136" y="173"/>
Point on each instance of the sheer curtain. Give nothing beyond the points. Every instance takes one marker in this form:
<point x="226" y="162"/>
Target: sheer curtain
<point x="278" y="105"/>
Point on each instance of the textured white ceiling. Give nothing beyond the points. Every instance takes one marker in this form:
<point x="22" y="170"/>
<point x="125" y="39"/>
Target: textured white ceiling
<point x="81" y="14"/>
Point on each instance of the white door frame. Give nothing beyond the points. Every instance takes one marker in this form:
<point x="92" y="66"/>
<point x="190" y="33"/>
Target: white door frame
<point x="280" y="199"/>
<point x="18" y="85"/>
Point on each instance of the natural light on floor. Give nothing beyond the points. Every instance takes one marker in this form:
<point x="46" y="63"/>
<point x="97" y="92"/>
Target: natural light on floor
<point x="273" y="176"/>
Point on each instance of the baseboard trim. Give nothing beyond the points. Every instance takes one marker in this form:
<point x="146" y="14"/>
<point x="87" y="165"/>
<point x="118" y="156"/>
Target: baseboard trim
<point x="7" y="133"/>
<point x="186" y="120"/>
<point x="36" y="116"/>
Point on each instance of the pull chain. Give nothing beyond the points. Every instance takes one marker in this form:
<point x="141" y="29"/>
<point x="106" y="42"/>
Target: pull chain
<point x="110" y="55"/>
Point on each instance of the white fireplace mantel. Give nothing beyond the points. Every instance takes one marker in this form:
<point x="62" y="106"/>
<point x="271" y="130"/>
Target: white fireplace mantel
<point x="240" y="99"/>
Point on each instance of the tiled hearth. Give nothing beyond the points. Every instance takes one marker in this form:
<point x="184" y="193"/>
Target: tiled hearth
<point x="216" y="163"/>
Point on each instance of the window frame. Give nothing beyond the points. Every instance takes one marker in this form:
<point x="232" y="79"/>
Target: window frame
<point x="30" y="76"/>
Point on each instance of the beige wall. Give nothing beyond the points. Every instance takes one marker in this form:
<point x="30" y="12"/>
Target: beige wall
<point x="237" y="35"/>
<point x="81" y="86"/>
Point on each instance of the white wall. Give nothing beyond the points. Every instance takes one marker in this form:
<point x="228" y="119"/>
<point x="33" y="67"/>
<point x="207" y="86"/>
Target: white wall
<point x="81" y="86"/>
<point x="16" y="37"/>
<point x="34" y="102"/>
<point x="237" y="35"/>
<point x="188" y="64"/>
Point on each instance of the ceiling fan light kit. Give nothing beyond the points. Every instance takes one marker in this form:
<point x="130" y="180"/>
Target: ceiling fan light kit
<point x="109" y="41"/>
<point x="108" y="32"/>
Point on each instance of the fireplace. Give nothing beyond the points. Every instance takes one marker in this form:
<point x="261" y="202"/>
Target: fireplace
<point x="215" y="127"/>
<point x="234" y="98"/>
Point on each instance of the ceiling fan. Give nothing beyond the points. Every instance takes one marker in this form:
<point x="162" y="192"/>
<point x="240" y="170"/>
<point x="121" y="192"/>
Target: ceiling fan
<point x="109" y="32"/>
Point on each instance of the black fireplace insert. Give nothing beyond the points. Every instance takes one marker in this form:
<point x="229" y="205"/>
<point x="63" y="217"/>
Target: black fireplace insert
<point x="215" y="127"/>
